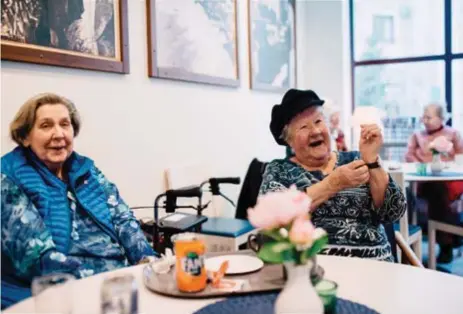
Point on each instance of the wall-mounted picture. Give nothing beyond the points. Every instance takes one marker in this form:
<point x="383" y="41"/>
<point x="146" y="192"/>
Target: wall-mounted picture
<point x="87" y="34"/>
<point x="272" y="44"/>
<point x="193" y="40"/>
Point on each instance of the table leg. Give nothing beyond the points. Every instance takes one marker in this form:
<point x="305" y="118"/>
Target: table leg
<point x="414" y="187"/>
<point x="432" y="245"/>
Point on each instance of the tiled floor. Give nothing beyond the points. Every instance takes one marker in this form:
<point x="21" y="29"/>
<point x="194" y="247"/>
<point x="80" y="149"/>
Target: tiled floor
<point x="455" y="267"/>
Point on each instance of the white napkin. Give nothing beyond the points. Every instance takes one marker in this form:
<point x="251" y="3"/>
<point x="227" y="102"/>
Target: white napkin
<point x="163" y="264"/>
<point x="230" y="285"/>
<point x="366" y="115"/>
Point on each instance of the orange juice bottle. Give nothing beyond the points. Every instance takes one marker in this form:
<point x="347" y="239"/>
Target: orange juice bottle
<point x="190" y="270"/>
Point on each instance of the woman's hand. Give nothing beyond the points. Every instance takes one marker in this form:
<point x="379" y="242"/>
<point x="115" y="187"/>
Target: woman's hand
<point x="371" y="140"/>
<point x="350" y="175"/>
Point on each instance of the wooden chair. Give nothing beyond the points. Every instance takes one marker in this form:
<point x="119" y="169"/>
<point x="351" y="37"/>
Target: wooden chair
<point x="407" y="253"/>
<point x="411" y="234"/>
<point x="434" y="226"/>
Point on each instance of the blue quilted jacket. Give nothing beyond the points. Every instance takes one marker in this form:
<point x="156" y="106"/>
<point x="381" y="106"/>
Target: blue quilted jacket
<point x="36" y="219"/>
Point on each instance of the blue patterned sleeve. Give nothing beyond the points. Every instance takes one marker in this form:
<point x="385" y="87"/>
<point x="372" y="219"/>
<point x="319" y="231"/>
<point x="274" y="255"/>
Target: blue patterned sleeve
<point x="274" y="178"/>
<point x="26" y="241"/>
<point x="127" y="227"/>
<point x="394" y="205"/>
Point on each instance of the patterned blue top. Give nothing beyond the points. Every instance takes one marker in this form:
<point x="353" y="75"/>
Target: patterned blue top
<point x="353" y="224"/>
<point x="95" y="249"/>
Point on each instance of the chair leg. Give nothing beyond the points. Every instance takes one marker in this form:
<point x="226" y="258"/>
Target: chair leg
<point x="407" y="251"/>
<point x="417" y="246"/>
<point x="432" y="245"/>
<point x="399" y="255"/>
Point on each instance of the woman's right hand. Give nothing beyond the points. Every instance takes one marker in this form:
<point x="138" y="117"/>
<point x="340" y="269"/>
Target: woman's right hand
<point x="350" y="175"/>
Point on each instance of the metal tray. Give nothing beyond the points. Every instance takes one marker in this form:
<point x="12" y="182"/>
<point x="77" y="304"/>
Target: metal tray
<point x="268" y="279"/>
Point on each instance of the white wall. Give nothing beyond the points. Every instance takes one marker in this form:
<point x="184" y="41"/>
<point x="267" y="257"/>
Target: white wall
<point x="135" y="127"/>
<point x="325" y="53"/>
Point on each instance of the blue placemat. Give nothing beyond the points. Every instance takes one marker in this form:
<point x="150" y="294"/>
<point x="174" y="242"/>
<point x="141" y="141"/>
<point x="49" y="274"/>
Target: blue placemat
<point x="441" y="174"/>
<point x="263" y="304"/>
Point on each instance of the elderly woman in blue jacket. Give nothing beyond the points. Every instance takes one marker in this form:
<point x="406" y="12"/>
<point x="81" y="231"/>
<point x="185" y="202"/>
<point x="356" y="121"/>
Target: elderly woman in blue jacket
<point x="59" y="212"/>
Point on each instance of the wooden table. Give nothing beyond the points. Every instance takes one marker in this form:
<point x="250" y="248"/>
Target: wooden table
<point x="385" y="287"/>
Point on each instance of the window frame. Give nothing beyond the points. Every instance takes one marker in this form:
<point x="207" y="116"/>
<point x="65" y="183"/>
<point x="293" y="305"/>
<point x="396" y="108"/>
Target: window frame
<point x="447" y="57"/>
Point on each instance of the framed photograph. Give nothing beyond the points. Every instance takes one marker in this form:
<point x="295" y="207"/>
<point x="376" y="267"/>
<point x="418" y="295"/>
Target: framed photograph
<point x="272" y="44"/>
<point x="193" y="40"/>
<point x="85" y="34"/>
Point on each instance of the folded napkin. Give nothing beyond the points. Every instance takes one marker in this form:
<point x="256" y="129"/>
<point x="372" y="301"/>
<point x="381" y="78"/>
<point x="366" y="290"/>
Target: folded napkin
<point x="162" y="265"/>
<point x="231" y="285"/>
<point x="367" y="115"/>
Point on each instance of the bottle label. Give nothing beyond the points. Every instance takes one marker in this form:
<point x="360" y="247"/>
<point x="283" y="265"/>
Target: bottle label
<point x="192" y="264"/>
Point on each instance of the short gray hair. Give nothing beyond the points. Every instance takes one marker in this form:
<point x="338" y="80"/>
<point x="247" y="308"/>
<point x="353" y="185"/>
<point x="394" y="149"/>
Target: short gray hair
<point x="441" y="110"/>
<point x="285" y="134"/>
<point x="25" y="117"/>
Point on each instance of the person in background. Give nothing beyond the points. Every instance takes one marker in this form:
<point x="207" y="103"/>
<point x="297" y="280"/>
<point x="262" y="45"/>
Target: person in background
<point x="59" y="212"/>
<point x="336" y="132"/>
<point x="439" y="195"/>
<point x="352" y="195"/>
<point x="433" y="119"/>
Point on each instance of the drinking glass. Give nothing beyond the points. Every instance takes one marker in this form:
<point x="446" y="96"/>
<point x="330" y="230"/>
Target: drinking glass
<point x="421" y="169"/>
<point x="119" y="295"/>
<point x="327" y="291"/>
<point x="53" y="293"/>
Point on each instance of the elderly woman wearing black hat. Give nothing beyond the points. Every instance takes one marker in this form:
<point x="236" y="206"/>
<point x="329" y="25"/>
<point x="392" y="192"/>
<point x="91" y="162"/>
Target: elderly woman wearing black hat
<point x="352" y="195"/>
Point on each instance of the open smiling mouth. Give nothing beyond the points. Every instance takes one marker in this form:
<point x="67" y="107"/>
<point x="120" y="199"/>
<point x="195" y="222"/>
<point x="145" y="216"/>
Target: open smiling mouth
<point x="57" y="149"/>
<point x="316" y="144"/>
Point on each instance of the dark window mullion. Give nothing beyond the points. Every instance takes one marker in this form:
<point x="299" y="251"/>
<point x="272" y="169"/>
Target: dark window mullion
<point x="352" y="52"/>
<point x="448" y="54"/>
<point x="400" y="60"/>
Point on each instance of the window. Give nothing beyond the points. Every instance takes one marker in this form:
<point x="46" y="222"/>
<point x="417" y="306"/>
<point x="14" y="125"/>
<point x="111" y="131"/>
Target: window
<point x="400" y="89"/>
<point x="404" y="20"/>
<point x="406" y="55"/>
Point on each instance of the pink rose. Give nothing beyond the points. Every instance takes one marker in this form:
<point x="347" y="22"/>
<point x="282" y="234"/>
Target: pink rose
<point x="441" y="144"/>
<point x="276" y="209"/>
<point x="302" y="231"/>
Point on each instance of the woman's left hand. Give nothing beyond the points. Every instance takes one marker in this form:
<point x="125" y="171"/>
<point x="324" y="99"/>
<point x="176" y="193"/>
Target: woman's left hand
<point x="371" y="140"/>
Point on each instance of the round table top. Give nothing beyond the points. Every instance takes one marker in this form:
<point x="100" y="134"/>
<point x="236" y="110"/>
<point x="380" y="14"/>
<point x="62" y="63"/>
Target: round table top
<point x="383" y="286"/>
<point x="452" y="172"/>
<point x="449" y="176"/>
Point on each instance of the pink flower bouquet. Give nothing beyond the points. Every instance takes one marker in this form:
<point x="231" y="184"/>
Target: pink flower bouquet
<point x="441" y="145"/>
<point x="284" y="217"/>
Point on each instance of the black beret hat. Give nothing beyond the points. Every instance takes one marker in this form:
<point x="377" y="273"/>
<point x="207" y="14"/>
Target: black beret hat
<point x="294" y="102"/>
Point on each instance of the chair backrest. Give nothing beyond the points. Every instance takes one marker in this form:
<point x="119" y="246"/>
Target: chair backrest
<point x="390" y="234"/>
<point x="250" y="189"/>
<point x="399" y="179"/>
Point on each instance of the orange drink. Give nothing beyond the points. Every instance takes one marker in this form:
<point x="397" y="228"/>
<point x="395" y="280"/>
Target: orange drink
<point x="190" y="271"/>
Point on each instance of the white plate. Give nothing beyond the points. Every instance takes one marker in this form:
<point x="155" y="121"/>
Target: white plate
<point x="237" y="264"/>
